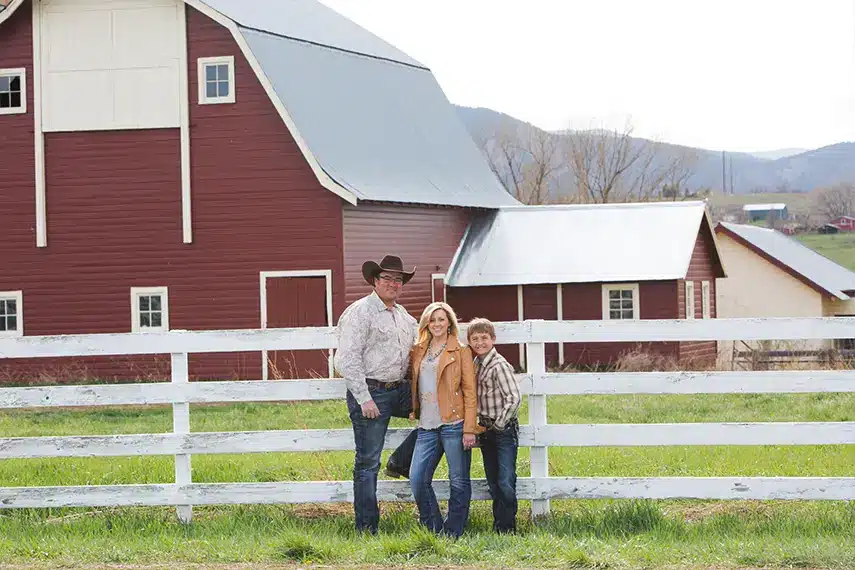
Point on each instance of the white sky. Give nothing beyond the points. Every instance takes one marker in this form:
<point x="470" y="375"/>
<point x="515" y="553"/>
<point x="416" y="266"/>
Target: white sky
<point x="740" y="75"/>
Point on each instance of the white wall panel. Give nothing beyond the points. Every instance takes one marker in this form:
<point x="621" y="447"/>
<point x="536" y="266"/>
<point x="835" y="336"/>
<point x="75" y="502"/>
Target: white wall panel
<point x="111" y="64"/>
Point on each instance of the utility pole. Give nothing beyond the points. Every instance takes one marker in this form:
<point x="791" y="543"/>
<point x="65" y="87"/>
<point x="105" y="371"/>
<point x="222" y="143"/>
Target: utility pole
<point x="723" y="173"/>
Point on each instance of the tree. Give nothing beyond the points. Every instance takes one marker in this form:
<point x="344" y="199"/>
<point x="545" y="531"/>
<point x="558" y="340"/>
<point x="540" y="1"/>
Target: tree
<point x="613" y="166"/>
<point x="836" y="201"/>
<point x="525" y="160"/>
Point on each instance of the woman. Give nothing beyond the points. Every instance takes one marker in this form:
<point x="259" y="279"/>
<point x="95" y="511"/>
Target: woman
<point x="445" y="403"/>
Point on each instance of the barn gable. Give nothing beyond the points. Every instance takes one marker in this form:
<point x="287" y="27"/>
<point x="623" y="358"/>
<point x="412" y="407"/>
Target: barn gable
<point x="372" y="122"/>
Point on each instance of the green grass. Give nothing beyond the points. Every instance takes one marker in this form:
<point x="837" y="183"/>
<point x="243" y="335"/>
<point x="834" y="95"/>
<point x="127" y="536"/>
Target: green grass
<point x="837" y="247"/>
<point x="578" y="534"/>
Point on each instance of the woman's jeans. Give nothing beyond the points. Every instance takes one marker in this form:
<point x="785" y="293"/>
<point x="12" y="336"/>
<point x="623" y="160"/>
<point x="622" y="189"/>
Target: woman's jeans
<point x="430" y="445"/>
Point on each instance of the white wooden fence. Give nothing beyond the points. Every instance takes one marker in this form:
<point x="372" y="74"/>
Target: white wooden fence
<point x="538" y="434"/>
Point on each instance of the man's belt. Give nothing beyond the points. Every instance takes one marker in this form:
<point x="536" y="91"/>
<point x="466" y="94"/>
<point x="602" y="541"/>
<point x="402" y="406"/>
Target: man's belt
<point x="380" y="385"/>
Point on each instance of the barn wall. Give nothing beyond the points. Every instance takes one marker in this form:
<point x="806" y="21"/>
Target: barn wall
<point x="701" y="268"/>
<point x="583" y="301"/>
<point x="114" y="221"/>
<point x="422" y="236"/>
<point x="494" y="303"/>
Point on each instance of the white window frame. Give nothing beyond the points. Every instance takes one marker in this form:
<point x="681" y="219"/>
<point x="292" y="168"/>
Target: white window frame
<point x="690" y="299"/>
<point x="137" y="292"/>
<point x="434" y="277"/>
<point x="22" y="72"/>
<point x="636" y="299"/>
<point x="202" y="64"/>
<point x="18" y="297"/>
<point x="705" y="299"/>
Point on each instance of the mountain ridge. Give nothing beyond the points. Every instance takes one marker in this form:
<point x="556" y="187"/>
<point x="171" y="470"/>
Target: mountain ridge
<point x="781" y="170"/>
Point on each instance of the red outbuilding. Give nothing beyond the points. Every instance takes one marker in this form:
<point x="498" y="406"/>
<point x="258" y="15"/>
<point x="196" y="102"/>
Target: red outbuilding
<point x="590" y="262"/>
<point x="216" y="164"/>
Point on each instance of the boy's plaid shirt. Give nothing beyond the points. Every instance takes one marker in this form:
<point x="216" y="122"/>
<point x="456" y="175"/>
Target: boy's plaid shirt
<point x="498" y="389"/>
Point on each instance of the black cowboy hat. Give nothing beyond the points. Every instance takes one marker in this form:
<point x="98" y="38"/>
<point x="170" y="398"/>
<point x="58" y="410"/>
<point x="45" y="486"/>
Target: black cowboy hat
<point x="392" y="263"/>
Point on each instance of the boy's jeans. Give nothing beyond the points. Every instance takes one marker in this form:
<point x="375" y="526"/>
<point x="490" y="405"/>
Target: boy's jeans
<point x="499" y="450"/>
<point x="370" y="436"/>
<point x="430" y="445"/>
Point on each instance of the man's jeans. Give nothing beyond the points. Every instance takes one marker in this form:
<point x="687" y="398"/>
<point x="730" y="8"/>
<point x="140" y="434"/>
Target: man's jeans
<point x="369" y="436"/>
<point x="430" y="445"/>
<point x="499" y="450"/>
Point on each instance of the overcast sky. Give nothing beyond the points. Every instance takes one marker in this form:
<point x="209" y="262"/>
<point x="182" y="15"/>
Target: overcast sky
<point x="740" y="75"/>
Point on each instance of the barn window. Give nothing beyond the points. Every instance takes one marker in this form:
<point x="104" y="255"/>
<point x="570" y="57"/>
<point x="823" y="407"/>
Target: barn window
<point x="149" y="309"/>
<point x="620" y="302"/>
<point x="690" y="299"/>
<point x="13" y="91"/>
<point x="11" y="313"/>
<point x="216" y="80"/>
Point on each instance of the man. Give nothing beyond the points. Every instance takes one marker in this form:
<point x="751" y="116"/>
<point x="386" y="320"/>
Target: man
<point x="375" y="338"/>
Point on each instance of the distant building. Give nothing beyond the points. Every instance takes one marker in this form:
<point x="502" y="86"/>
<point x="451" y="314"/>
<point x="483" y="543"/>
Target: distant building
<point x="772" y="275"/>
<point x="844" y="223"/>
<point x="761" y="212"/>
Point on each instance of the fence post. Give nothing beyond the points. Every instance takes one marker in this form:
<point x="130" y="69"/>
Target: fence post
<point x="536" y="366"/>
<point x="181" y="424"/>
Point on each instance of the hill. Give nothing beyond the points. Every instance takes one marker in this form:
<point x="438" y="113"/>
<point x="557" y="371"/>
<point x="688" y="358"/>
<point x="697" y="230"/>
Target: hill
<point x="772" y="171"/>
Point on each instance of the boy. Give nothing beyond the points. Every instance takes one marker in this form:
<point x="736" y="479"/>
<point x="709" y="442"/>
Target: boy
<point x="498" y="403"/>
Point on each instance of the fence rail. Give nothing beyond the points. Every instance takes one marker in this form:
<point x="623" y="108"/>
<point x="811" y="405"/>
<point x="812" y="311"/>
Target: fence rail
<point x="538" y="434"/>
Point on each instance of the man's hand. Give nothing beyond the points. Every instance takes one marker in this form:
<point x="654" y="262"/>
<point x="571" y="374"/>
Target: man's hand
<point x="370" y="410"/>
<point x="468" y="441"/>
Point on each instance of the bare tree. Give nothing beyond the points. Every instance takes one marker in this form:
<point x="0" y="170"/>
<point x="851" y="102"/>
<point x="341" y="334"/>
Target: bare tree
<point x="836" y="201"/>
<point x="525" y="160"/>
<point x="613" y="166"/>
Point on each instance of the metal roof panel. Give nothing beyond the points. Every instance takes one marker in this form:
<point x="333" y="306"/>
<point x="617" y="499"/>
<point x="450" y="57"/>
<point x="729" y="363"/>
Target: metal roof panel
<point x="384" y="131"/>
<point x="578" y="244"/>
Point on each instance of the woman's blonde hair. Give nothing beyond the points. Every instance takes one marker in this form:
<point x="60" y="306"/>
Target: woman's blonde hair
<point x="424" y="333"/>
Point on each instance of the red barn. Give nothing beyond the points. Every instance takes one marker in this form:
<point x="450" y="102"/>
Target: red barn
<point x="844" y="223"/>
<point x="232" y="173"/>
<point x="590" y="262"/>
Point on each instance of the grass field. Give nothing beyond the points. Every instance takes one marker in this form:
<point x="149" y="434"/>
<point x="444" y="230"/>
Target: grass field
<point x="837" y="247"/>
<point x="595" y="534"/>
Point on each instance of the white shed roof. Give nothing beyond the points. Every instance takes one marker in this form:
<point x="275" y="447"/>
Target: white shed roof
<point x="579" y="244"/>
<point x="763" y="207"/>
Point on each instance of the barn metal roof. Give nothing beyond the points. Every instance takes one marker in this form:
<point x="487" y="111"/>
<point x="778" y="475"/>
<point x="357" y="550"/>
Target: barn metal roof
<point x="310" y="21"/>
<point x="375" y="120"/>
<point x="525" y="245"/>
<point x="816" y="268"/>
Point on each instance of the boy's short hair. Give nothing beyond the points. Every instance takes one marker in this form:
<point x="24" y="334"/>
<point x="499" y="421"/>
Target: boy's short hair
<point x="480" y="325"/>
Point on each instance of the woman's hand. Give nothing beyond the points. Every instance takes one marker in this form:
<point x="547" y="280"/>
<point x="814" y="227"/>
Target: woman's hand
<point x="468" y="441"/>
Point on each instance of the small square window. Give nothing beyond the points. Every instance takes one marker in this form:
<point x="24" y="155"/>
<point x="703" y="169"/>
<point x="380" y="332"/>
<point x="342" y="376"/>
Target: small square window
<point x="620" y="302"/>
<point x="216" y="80"/>
<point x="149" y="309"/>
<point x="13" y="91"/>
<point x="11" y="313"/>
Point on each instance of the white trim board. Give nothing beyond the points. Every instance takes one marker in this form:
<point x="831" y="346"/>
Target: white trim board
<point x="38" y="130"/>
<point x="265" y="275"/>
<point x="184" y="119"/>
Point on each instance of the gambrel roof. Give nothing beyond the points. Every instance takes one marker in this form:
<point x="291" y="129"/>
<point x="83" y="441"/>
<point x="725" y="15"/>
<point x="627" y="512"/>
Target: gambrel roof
<point x="372" y="122"/>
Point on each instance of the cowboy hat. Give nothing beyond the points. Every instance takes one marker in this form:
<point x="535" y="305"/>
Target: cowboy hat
<point x="391" y="263"/>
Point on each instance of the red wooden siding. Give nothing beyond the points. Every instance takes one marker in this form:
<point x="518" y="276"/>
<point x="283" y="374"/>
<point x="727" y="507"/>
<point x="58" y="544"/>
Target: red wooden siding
<point x="114" y="219"/>
<point x="541" y="302"/>
<point x="297" y="302"/>
<point x="17" y="161"/>
<point x="703" y="267"/>
<point x="584" y="301"/>
<point x="425" y="237"/>
<point x="494" y="303"/>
